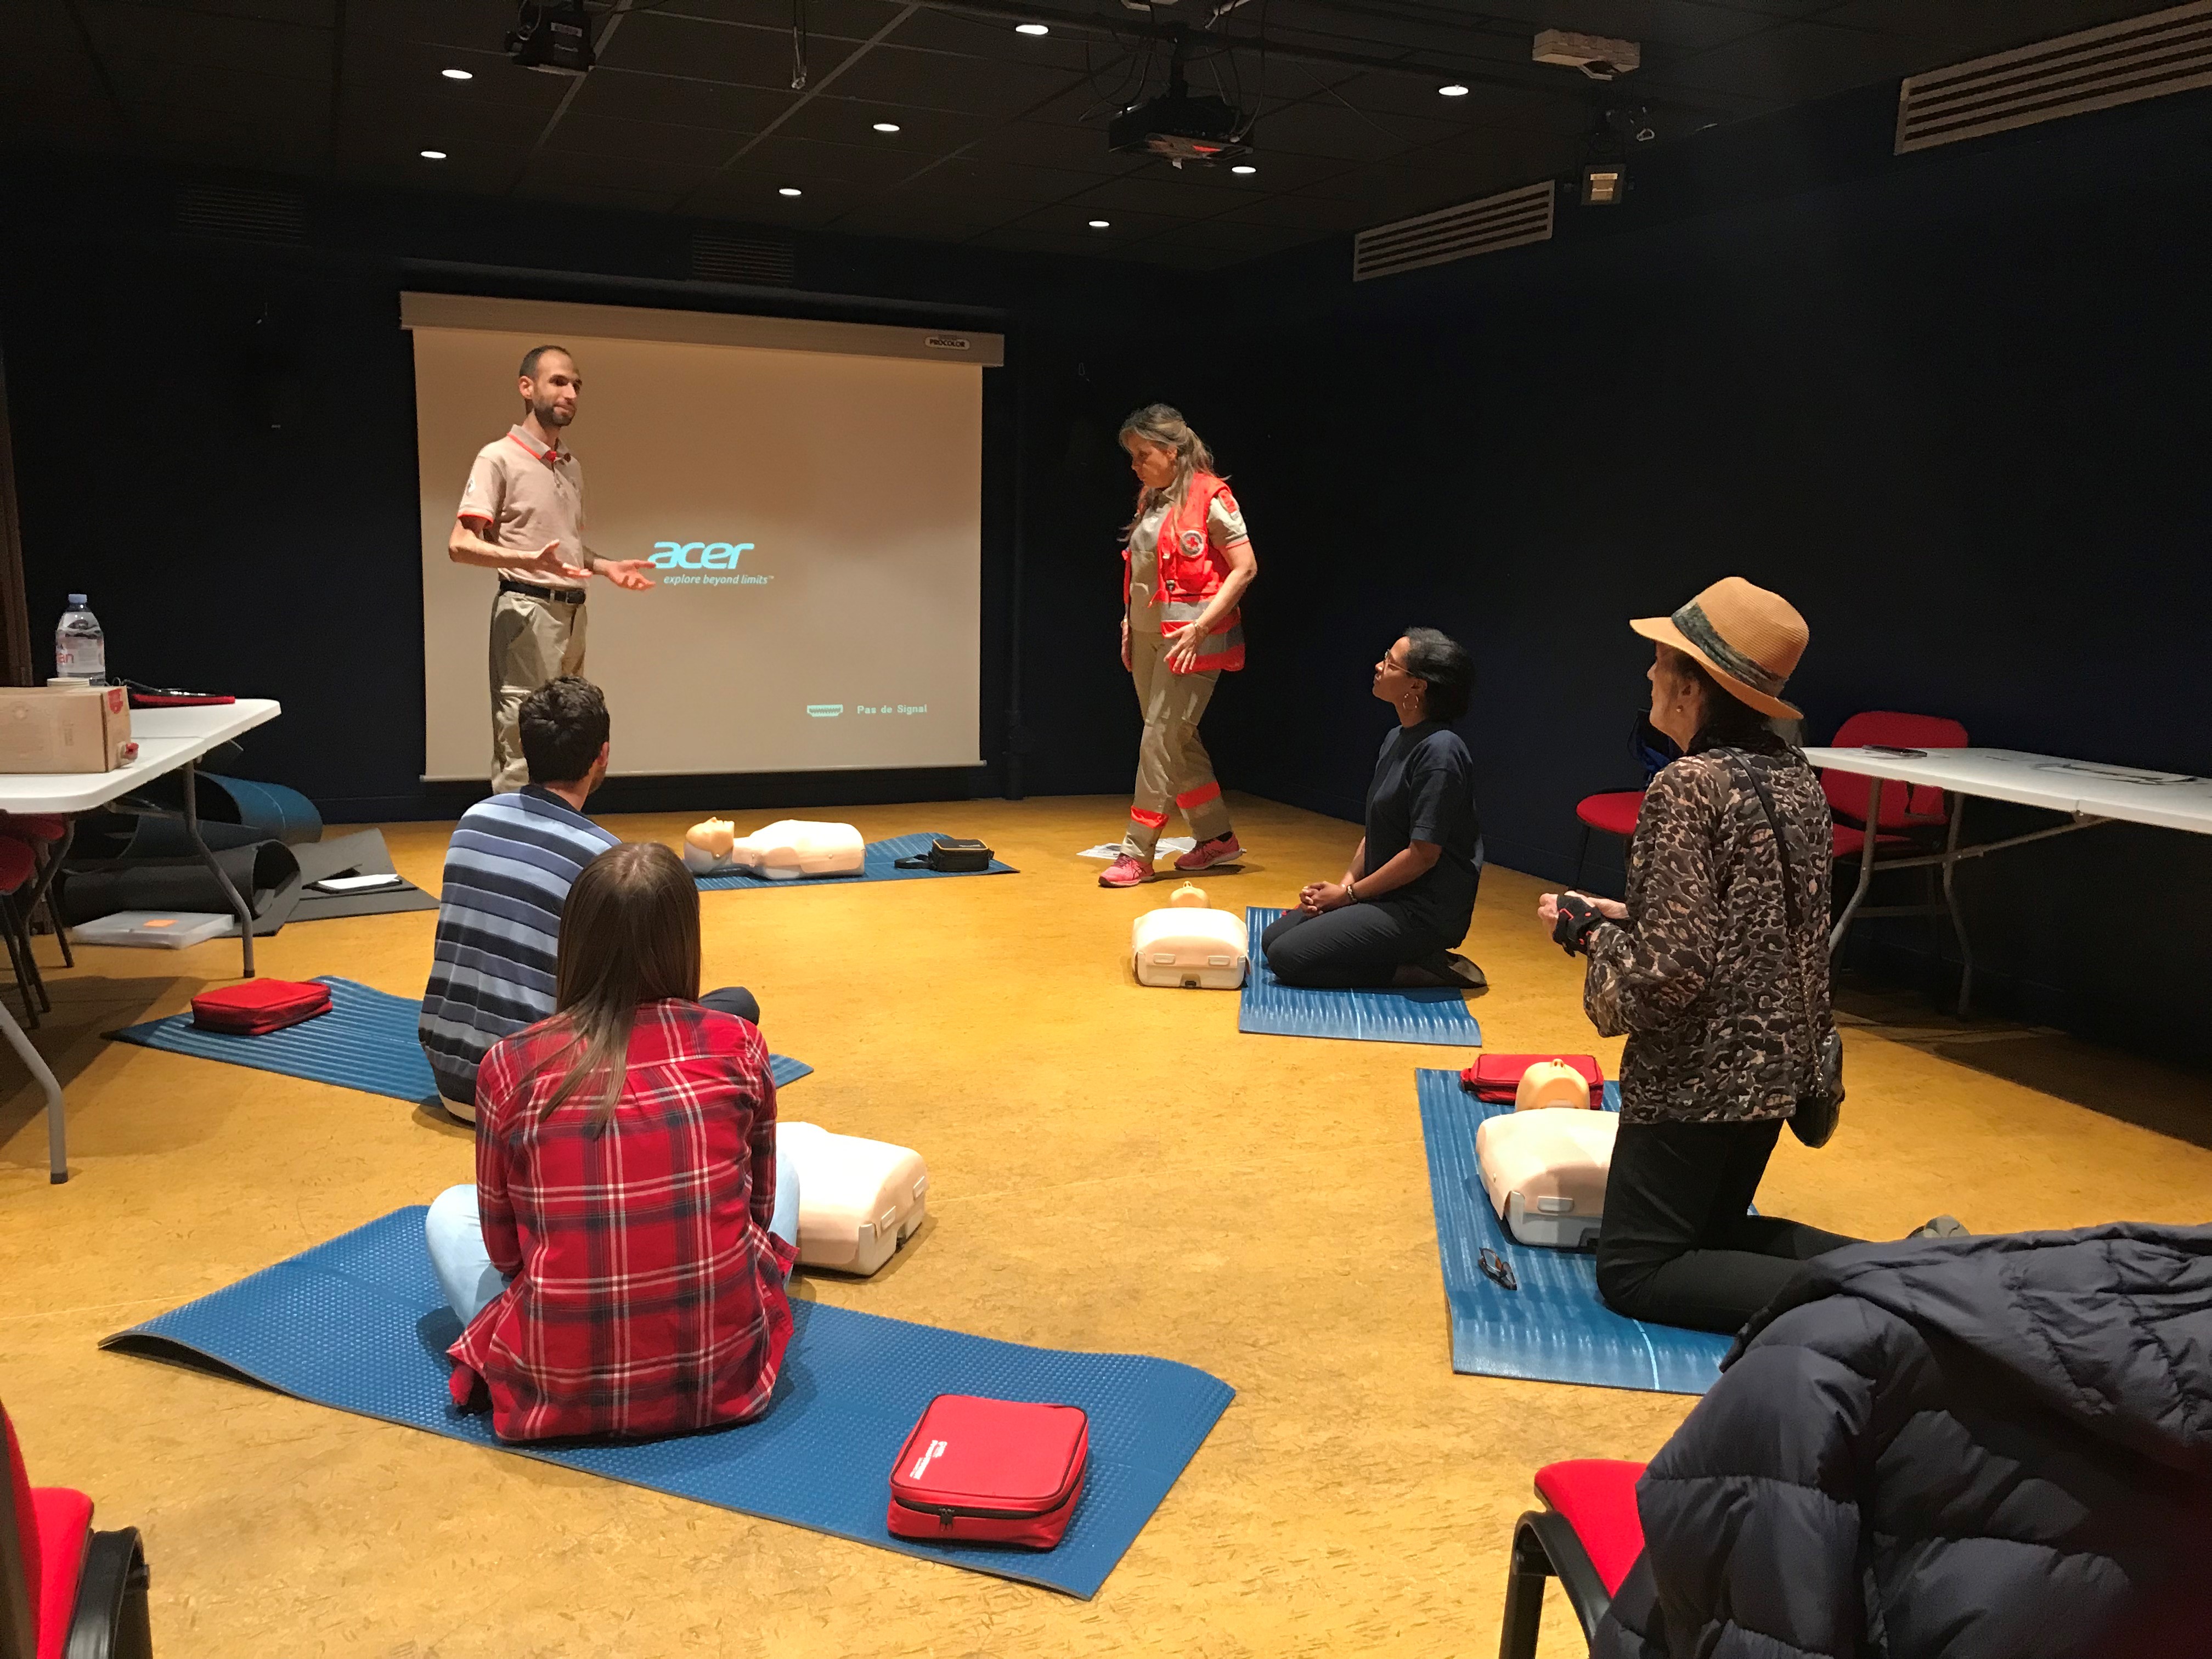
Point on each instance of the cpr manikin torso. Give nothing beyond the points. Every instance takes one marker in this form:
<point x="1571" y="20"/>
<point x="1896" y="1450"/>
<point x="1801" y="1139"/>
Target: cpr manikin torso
<point x="1189" y="945"/>
<point x="784" y="851"/>
<point x="1544" y="1164"/>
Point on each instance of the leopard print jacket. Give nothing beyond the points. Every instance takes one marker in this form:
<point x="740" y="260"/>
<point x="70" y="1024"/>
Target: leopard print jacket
<point x="1705" y="978"/>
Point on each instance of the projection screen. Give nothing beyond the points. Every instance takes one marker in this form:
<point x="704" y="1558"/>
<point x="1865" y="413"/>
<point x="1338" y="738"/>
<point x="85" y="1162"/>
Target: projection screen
<point x="810" y="495"/>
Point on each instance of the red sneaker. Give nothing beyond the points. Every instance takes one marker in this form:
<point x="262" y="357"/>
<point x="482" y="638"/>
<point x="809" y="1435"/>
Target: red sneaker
<point x="1222" y="849"/>
<point x="1125" y="872"/>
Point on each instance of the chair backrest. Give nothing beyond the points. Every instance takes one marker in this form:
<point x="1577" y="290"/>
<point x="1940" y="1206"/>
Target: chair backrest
<point x="1849" y="793"/>
<point x="19" y="1557"/>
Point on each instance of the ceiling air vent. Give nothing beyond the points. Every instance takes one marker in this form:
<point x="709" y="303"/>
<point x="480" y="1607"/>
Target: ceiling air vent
<point x="1456" y="232"/>
<point x="240" y="214"/>
<point x="2145" y="57"/>
<point x="720" y="259"/>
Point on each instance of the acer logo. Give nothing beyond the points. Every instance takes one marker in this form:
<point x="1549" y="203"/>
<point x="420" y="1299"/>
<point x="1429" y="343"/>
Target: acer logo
<point x="697" y="556"/>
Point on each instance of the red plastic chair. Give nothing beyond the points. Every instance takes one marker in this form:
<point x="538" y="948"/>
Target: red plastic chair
<point x="1615" y="812"/>
<point x="1911" y="813"/>
<point x="65" y="1588"/>
<point x="1587" y="1536"/>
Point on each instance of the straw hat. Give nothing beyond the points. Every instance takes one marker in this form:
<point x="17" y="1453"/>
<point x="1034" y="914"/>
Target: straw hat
<point x="1749" y="640"/>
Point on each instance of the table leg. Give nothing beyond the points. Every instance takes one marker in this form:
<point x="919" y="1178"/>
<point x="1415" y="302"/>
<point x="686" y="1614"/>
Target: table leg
<point x="238" y="905"/>
<point x="1866" y="868"/>
<point x="1951" y="903"/>
<point x="42" y="1074"/>
<point x="41" y="894"/>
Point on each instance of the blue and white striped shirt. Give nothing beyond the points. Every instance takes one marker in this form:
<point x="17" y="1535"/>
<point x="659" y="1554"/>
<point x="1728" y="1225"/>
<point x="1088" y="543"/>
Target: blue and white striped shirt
<point x="507" y="873"/>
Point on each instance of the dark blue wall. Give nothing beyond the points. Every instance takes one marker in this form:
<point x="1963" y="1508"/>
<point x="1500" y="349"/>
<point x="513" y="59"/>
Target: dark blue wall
<point x="1953" y="406"/>
<point x="222" y="553"/>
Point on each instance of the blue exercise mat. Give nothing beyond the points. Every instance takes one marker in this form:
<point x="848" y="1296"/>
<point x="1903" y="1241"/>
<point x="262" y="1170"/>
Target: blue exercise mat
<point x="883" y="857"/>
<point x="1553" y="1329"/>
<point x="366" y="1042"/>
<point x="1271" y="1008"/>
<point x="360" y="1324"/>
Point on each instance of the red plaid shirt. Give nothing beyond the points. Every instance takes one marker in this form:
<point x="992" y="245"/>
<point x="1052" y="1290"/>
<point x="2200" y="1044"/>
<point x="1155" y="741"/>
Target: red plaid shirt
<point x="646" y="1292"/>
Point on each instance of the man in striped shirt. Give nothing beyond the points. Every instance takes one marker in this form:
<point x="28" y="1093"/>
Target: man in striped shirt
<point x="507" y="873"/>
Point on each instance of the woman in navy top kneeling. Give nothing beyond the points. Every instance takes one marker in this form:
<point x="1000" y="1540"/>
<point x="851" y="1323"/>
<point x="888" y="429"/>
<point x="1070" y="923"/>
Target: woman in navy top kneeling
<point x="1409" y="894"/>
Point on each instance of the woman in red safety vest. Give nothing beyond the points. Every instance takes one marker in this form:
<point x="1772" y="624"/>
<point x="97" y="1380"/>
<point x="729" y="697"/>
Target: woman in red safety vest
<point x="1185" y="565"/>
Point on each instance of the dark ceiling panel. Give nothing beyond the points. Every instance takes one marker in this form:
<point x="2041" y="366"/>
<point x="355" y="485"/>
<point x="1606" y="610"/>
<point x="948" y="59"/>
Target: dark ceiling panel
<point x="966" y="85"/>
<point x="1002" y="136"/>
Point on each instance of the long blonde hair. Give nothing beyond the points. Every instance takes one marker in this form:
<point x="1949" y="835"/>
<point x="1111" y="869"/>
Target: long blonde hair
<point x="629" y="934"/>
<point x="1163" y="424"/>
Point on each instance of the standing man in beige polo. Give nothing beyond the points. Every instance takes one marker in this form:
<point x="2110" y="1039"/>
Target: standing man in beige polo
<point x="522" y="515"/>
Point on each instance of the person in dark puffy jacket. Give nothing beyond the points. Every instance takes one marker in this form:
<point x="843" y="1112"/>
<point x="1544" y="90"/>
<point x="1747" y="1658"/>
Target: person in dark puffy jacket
<point x="1993" y="1448"/>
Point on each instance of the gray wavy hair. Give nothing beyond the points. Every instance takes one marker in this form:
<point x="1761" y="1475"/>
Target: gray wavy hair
<point x="1163" y="424"/>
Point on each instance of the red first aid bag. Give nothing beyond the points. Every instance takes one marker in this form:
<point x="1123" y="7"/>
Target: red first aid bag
<point x="996" y="1471"/>
<point x="260" y="1006"/>
<point x="1495" y="1077"/>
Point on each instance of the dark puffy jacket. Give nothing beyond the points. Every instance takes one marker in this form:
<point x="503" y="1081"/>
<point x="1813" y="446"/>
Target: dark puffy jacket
<point x="1982" y="1449"/>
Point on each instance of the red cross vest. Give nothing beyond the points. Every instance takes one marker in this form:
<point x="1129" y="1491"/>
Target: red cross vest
<point x="1191" y="571"/>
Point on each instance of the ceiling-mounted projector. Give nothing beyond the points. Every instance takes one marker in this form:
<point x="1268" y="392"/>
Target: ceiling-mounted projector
<point x="1180" y="126"/>
<point x="553" y="37"/>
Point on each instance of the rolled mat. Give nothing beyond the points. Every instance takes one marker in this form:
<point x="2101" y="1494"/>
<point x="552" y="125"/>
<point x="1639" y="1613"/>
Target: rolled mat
<point x="262" y="871"/>
<point x="1553" y="1329"/>
<point x="1271" y="1008"/>
<point x="881" y="864"/>
<point x="359" y="1324"/>
<point x="367" y="1041"/>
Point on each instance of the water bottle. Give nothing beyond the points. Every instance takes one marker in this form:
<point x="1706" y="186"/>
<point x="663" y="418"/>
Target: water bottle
<point x="80" y="648"/>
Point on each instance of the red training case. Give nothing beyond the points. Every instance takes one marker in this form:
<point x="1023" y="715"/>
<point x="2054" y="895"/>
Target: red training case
<point x="990" y="1471"/>
<point x="260" y="1006"/>
<point x="1495" y="1077"/>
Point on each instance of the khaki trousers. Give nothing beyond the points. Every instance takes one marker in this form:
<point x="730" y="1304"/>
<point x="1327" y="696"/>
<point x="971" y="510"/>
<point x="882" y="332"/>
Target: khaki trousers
<point x="533" y="642"/>
<point x="1173" y="768"/>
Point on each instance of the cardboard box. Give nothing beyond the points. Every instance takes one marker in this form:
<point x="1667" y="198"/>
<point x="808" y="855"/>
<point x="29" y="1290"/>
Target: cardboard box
<point x="64" y="728"/>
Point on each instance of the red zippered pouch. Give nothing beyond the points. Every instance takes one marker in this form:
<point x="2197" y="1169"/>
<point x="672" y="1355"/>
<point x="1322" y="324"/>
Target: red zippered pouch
<point x="260" y="1006"/>
<point x="1495" y="1077"/>
<point x="990" y="1471"/>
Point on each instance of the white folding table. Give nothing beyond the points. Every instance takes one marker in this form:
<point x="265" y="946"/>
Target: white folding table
<point x="169" y="741"/>
<point x="2089" y="792"/>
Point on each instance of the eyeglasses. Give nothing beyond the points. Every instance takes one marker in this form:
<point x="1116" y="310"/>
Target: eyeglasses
<point x="1496" y="1267"/>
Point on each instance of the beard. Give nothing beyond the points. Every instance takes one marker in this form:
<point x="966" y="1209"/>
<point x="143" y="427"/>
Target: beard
<point x="551" y="415"/>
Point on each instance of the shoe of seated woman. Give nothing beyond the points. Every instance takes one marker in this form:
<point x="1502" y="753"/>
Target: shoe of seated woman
<point x="1125" y="872"/>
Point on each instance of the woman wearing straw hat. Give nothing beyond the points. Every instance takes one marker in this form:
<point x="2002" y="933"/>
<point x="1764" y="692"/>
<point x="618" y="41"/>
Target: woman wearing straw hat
<point x="1716" y="974"/>
<point x="1186" y="565"/>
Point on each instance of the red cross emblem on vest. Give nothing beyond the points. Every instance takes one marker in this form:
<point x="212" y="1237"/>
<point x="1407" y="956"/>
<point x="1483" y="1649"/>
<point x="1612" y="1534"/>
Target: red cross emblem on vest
<point x="1193" y="542"/>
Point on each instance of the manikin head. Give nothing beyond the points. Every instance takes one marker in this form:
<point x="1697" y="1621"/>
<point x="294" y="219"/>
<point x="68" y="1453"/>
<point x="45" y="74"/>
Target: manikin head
<point x="549" y="385"/>
<point x="564" y="737"/>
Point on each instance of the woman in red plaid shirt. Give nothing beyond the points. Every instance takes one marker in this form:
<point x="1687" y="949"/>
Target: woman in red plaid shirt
<point x="636" y="1233"/>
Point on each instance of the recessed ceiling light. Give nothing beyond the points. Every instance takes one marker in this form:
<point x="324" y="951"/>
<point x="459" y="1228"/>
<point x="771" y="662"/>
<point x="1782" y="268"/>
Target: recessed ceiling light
<point x="457" y="75"/>
<point x="886" y="126"/>
<point x="787" y="189"/>
<point x="1031" y="28"/>
<point x="1242" y="167"/>
<point x="1100" y="224"/>
<point x="431" y="154"/>
<point x="1454" y="90"/>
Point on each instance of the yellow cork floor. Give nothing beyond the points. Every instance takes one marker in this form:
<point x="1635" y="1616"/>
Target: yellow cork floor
<point x="1111" y="1168"/>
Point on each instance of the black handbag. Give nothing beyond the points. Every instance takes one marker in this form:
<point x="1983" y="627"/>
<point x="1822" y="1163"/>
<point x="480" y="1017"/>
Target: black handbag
<point x="1820" y="1108"/>
<point x="950" y="855"/>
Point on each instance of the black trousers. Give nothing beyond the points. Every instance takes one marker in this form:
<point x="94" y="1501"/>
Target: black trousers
<point x="1359" y="945"/>
<point x="1676" y="1247"/>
